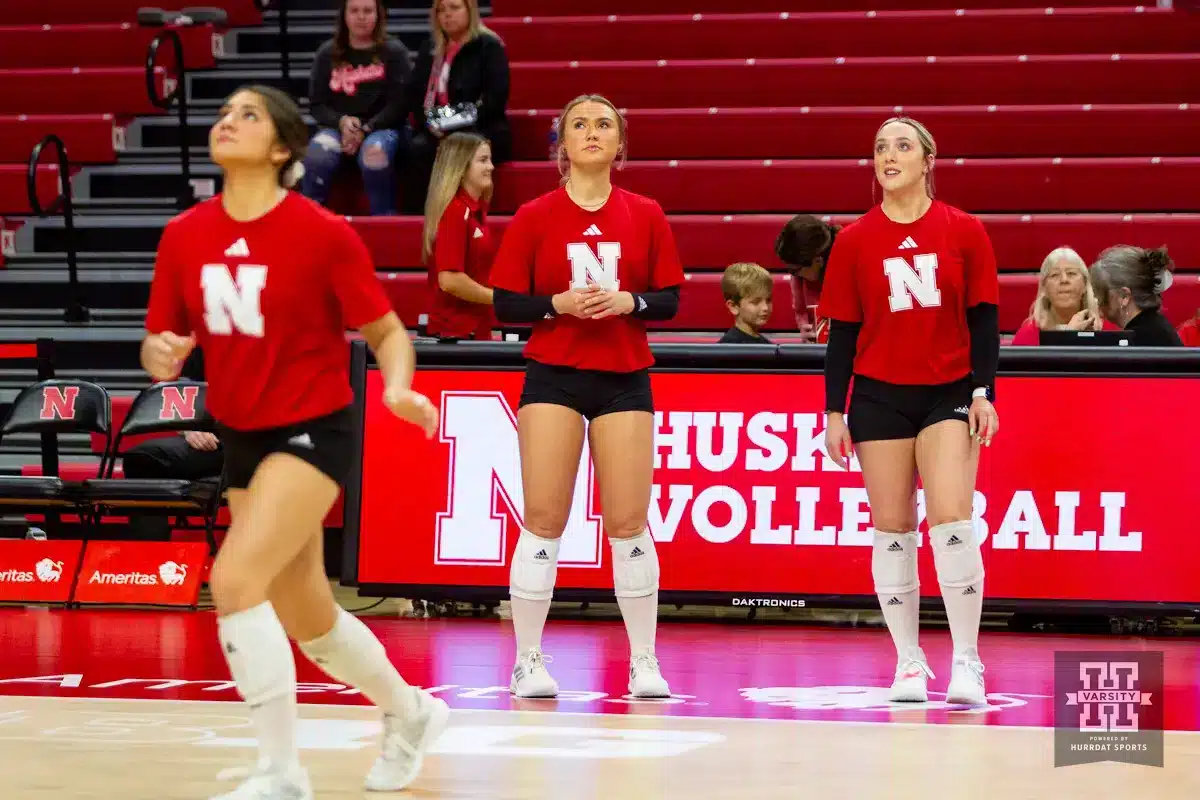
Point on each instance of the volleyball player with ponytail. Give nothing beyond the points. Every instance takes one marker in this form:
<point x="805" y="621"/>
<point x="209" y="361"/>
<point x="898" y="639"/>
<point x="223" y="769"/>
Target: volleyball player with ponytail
<point x="912" y="294"/>
<point x="266" y="282"/>
<point x="588" y="264"/>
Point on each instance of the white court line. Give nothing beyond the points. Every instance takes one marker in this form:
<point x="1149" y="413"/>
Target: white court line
<point x="659" y="717"/>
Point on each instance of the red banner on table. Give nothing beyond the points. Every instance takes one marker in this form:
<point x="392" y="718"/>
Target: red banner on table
<point x="1088" y="493"/>
<point x="38" y="571"/>
<point x="142" y="573"/>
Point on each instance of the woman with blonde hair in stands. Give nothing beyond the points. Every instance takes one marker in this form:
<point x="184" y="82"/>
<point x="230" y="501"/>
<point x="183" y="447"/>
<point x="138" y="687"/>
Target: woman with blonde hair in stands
<point x="457" y="245"/>
<point x="460" y="83"/>
<point x="1065" y="299"/>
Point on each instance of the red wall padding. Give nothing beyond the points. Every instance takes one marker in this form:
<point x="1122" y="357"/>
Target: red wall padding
<point x="951" y="80"/>
<point x="89" y="138"/>
<point x="840" y="132"/>
<point x="900" y="33"/>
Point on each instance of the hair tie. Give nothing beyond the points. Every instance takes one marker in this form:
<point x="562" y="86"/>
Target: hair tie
<point x="292" y="175"/>
<point x="1164" y="282"/>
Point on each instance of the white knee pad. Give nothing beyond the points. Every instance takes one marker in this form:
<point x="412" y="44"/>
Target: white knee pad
<point x="894" y="563"/>
<point x="534" y="567"/>
<point x="258" y="653"/>
<point x="956" y="554"/>
<point x="635" y="566"/>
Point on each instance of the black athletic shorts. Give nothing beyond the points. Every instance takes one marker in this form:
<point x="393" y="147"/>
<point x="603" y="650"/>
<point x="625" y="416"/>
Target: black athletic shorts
<point x="592" y="393"/>
<point x="325" y="442"/>
<point x="881" y="410"/>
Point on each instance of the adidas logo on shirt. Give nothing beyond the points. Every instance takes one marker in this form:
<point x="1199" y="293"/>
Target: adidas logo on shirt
<point x="238" y="249"/>
<point x="908" y="243"/>
<point x="592" y="231"/>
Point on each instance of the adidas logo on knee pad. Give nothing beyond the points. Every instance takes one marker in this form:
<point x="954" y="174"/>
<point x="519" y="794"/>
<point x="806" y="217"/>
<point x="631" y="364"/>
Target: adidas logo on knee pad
<point x="968" y="590"/>
<point x="953" y="540"/>
<point x="541" y="555"/>
<point x="635" y="552"/>
<point x="895" y="547"/>
<point x="895" y="601"/>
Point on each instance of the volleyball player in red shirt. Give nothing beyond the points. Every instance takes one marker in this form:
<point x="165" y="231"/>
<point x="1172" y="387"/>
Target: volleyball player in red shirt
<point x="457" y="243"/>
<point x="911" y="292"/>
<point x="266" y="282"/>
<point x="588" y="264"/>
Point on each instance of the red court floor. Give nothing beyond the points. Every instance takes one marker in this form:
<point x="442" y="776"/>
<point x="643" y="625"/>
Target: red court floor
<point x="783" y="672"/>
<point x="137" y="705"/>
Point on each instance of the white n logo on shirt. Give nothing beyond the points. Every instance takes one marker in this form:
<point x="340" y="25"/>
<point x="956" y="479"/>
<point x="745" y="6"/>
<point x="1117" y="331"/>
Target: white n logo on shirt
<point x="906" y="284"/>
<point x="585" y="266"/>
<point x="229" y="304"/>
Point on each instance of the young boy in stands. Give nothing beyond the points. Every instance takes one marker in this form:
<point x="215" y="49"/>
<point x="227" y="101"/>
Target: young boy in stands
<point x="747" y="290"/>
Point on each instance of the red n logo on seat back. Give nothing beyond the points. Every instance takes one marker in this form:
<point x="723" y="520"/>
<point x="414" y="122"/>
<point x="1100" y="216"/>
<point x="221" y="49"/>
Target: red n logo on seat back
<point x="58" y="402"/>
<point x="179" y="403"/>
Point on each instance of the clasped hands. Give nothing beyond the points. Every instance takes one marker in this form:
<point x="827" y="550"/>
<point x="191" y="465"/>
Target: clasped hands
<point x="593" y="302"/>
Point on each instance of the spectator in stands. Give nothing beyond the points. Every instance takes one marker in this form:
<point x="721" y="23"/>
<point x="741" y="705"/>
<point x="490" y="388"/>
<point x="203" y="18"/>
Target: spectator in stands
<point x="1065" y="299"/>
<point x="460" y="83"/>
<point x="1129" y="283"/>
<point x="358" y="93"/>
<point x="458" y="247"/>
<point x="804" y="245"/>
<point x="196" y="455"/>
<point x="747" y="289"/>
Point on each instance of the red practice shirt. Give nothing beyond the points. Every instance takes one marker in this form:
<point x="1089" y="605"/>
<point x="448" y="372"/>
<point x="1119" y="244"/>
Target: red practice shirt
<point x="463" y="244"/>
<point x="269" y="302"/>
<point x="1189" y="332"/>
<point x="910" y="286"/>
<point x="552" y="244"/>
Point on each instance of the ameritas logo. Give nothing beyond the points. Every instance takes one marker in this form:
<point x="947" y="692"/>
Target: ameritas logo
<point x="123" y="578"/>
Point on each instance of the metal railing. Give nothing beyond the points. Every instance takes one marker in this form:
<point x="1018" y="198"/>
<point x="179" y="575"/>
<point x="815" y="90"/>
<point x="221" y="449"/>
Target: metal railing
<point x="76" y="309"/>
<point x="187" y="196"/>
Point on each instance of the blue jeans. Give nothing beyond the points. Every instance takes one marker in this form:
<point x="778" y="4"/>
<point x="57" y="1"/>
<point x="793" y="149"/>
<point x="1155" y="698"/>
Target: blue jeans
<point x="325" y="155"/>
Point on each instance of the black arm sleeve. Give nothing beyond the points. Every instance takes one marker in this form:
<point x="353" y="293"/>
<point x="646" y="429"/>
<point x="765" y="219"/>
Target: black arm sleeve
<point x="320" y="96"/>
<point x="839" y="363"/>
<point x="983" y="321"/>
<point x="517" y="307"/>
<point x="659" y="305"/>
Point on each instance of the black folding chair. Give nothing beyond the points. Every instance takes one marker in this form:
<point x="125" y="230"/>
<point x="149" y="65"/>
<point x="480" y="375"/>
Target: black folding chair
<point x="168" y="407"/>
<point x="54" y="407"/>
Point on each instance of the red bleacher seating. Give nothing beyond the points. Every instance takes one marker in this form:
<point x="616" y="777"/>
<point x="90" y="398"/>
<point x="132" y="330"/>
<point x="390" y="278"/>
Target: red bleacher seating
<point x="89" y="138"/>
<point x="512" y="8"/>
<point x="711" y="242"/>
<point x="88" y="90"/>
<point x="990" y="185"/>
<point x="943" y="32"/>
<point x="111" y="44"/>
<point x="920" y="80"/>
<point x="29" y="12"/>
<point x="14" y="192"/>
<point x="842" y="132"/>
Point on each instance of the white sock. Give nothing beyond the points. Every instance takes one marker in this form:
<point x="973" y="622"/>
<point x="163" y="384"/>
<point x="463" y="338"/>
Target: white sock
<point x="894" y="565"/>
<point x="960" y="574"/>
<point x="531" y="588"/>
<point x="350" y="654"/>
<point x="635" y="581"/>
<point x="260" y="660"/>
